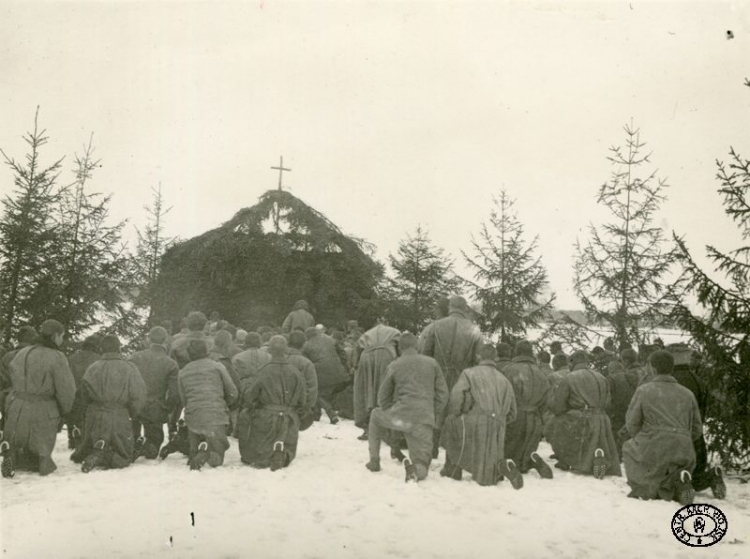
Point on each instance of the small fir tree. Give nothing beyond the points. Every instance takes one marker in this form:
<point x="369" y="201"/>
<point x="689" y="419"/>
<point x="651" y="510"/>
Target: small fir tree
<point x="509" y="280"/>
<point x="422" y="273"/>
<point x="27" y="236"/>
<point x="91" y="260"/>
<point x="151" y="246"/>
<point x="626" y="274"/>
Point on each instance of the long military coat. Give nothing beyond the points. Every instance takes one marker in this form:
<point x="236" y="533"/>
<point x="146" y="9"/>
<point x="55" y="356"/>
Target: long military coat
<point x="378" y="349"/>
<point x="663" y="420"/>
<point x="531" y="388"/>
<point x="474" y="433"/>
<point x="581" y="425"/>
<point x="42" y="390"/>
<point x="113" y="392"/>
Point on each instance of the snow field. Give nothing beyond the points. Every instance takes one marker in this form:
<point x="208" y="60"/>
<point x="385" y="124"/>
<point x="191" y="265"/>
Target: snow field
<point x="327" y="505"/>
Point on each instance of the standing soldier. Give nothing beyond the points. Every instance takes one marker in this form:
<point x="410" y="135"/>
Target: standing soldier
<point x="454" y="342"/>
<point x="439" y="311"/>
<point x="159" y="372"/>
<point x="42" y="390"/>
<point x="378" y="349"/>
<point x="299" y="319"/>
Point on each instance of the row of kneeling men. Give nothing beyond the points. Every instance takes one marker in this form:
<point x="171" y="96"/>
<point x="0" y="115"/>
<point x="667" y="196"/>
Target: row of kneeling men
<point x="116" y="399"/>
<point x="451" y="394"/>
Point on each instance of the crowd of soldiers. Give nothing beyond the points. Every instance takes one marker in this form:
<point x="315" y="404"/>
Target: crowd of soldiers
<point x="487" y="406"/>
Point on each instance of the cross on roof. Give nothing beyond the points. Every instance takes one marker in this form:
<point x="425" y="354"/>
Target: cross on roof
<point x="281" y="169"/>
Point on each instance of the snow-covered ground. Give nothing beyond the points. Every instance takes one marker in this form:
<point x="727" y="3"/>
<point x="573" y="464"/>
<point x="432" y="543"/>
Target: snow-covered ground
<point x="327" y="505"/>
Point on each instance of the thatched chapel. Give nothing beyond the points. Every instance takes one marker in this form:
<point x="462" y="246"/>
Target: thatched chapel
<point x="254" y="267"/>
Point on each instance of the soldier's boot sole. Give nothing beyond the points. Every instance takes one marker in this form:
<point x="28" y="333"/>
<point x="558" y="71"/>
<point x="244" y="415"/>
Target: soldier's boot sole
<point x="166" y="451"/>
<point x="277" y="456"/>
<point x="74" y="438"/>
<point x="373" y="466"/>
<point x="214" y="459"/>
<point x="200" y="458"/>
<point x="510" y="470"/>
<point x="545" y="472"/>
<point x="95" y="458"/>
<point x="684" y="491"/>
<point x="46" y="465"/>
<point x="411" y="471"/>
<point x="149" y="451"/>
<point x="138" y="448"/>
<point x="600" y="464"/>
<point x="8" y="467"/>
<point x="718" y="487"/>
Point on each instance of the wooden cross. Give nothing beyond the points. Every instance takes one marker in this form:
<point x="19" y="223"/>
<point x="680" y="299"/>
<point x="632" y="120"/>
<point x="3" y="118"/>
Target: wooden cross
<point x="277" y="212"/>
<point x="281" y="169"/>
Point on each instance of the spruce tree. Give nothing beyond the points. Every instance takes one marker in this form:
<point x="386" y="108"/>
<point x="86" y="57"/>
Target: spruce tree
<point x="509" y="279"/>
<point x="722" y="329"/>
<point x="27" y="236"/>
<point x="151" y="245"/>
<point x="422" y="273"/>
<point x="91" y="260"/>
<point x="625" y="274"/>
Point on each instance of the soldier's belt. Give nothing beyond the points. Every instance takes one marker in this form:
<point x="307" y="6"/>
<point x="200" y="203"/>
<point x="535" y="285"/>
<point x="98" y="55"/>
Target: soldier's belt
<point x="28" y="397"/>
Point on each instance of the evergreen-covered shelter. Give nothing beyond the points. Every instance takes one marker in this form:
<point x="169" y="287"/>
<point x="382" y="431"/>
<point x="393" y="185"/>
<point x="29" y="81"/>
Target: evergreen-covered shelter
<point x="254" y="267"/>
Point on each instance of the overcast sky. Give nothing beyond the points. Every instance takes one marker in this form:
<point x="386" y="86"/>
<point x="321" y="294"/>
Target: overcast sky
<point x="389" y="114"/>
